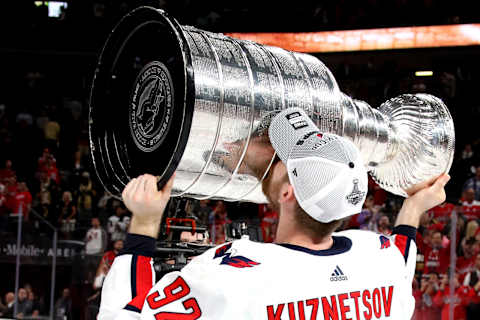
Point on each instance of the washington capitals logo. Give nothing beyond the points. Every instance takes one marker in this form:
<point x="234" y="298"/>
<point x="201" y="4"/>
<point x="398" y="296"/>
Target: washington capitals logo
<point x="384" y="242"/>
<point x="356" y="195"/>
<point x="234" y="261"/>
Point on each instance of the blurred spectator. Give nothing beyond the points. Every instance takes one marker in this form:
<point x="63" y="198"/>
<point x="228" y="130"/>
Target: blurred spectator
<point x="268" y="222"/>
<point x="379" y="195"/>
<point x="381" y="225"/>
<point x="67" y="213"/>
<point x="33" y="303"/>
<point x="96" y="238"/>
<point x="200" y="209"/>
<point x="463" y="296"/>
<point x="3" y="308"/>
<point x="470" y="206"/>
<point x="436" y="256"/>
<point x="425" y="308"/>
<point x="384" y="225"/>
<point x="48" y="165"/>
<point x="3" y="208"/>
<point x="63" y="306"/>
<point x="106" y="263"/>
<point x="47" y="197"/>
<point x="467" y="152"/>
<point x="85" y="195"/>
<point x="466" y="261"/>
<point x="95" y="244"/>
<point x="7" y="310"/>
<point x="24" y="116"/>
<point x="23" y="201"/>
<point x="474" y="183"/>
<point x="9" y="299"/>
<point x="7" y="172"/>
<point x="52" y="134"/>
<point x="52" y="171"/>
<point x="118" y="224"/>
<point x="12" y="189"/>
<point x="424" y="231"/>
<point x="24" y="307"/>
<point x="471" y="229"/>
<point x="42" y="120"/>
<point x="77" y="169"/>
<point x="44" y="159"/>
<point x="472" y="279"/>
<point x="28" y="288"/>
<point x="443" y="212"/>
<point x="217" y="220"/>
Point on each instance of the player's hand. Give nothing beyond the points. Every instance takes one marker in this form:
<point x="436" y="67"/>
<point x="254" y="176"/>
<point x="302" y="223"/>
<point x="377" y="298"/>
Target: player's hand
<point x="147" y="203"/>
<point x="430" y="196"/>
<point x="424" y="199"/>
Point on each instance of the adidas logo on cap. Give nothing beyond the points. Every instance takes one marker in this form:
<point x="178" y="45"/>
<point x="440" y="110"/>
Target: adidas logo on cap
<point x="338" y="275"/>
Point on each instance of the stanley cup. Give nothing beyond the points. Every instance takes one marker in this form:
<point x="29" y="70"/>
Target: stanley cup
<point x="169" y="98"/>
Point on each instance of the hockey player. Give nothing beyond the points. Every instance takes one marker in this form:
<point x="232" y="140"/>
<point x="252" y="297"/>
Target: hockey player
<point x="309" y="273"/>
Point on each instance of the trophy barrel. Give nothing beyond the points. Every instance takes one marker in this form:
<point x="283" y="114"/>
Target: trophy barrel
<point x="196" y="103"/>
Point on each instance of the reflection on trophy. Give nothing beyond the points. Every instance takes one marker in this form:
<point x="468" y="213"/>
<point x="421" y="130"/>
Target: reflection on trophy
<point x="199" y="103"/>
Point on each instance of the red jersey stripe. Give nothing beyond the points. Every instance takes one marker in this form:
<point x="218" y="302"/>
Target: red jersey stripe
<point x="143" y="277"/>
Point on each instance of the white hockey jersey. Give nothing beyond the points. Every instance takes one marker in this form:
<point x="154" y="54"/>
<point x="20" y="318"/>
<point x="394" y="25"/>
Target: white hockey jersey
<point x="363" y="276"/>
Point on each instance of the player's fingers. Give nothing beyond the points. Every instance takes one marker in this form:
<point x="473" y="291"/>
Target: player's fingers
<point x="438" y="189"/>
<point x="441" y="181"/>
<point x="128" y="188"/>
<point x="167" y="188"/>
<point x="150" y="184"/>
<point x="140" y="186"/>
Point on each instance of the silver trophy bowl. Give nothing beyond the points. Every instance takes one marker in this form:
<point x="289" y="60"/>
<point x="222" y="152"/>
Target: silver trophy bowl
<point x="169" y="98"/>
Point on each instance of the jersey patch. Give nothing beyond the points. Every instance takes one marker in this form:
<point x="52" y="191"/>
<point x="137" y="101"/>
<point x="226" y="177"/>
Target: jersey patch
<point x="233" y="261"/>
<point x="384" y="242"/>
<point x="220" y="252"/>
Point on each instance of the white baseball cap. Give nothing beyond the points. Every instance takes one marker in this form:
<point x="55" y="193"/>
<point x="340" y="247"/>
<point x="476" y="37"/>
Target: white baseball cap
<point x="326" y="171"/>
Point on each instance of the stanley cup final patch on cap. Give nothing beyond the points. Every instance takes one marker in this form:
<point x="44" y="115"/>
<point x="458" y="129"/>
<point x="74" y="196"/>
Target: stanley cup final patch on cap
<point x="296" y="120"/>
<point x="356" y="195"/>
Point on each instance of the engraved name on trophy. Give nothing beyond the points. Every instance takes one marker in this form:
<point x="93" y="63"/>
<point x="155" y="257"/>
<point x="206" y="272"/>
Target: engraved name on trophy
<point x="171" y="98"/>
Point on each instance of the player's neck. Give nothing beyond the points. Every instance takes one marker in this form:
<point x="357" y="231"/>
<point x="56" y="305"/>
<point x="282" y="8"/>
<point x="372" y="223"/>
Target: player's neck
<point x="290" y="232"/>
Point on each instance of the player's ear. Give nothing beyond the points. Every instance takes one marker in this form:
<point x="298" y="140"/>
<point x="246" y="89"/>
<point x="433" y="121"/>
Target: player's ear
<point x="286" y="193"/>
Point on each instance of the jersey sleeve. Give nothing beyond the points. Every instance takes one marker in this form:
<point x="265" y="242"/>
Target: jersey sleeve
<point x="404" y="239"/>
<point x="129" y="280"/>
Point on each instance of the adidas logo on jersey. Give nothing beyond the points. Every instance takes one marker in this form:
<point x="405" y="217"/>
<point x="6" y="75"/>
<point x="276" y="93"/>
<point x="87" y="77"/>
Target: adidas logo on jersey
<point x="338" y="275"/>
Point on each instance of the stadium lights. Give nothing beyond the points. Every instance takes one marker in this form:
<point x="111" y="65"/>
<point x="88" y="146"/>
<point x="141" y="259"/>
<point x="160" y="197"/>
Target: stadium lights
<point x="370" y="39"/>
<point x="423" y="73"/>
